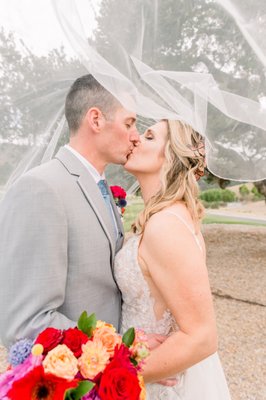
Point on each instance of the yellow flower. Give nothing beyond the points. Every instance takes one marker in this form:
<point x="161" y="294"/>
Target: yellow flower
<point x="61" y="362"/>
<point x="93" y="360"/>
<point x="101" y="324"/>
<point x="140" y="351"/>
<point x="143" y="389"/>
<point x="108" y="336"/>
<point x="37" y="349"/>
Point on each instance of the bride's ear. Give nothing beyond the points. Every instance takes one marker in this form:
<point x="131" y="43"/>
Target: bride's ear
<point x="95" y="119"/>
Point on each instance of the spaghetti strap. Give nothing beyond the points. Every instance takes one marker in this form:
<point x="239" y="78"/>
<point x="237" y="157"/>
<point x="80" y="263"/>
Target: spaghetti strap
<point x="187" y="225"/>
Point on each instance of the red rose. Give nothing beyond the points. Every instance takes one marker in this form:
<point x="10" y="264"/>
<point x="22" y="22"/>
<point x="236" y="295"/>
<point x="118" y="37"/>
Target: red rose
<point x="121" y="358"/>
<point x="120" y="384"/>
<point x="73" y="338"/>
<point x="119" y="380"/>
<point x="49" y="338"/>
<point x="118" y="192"/>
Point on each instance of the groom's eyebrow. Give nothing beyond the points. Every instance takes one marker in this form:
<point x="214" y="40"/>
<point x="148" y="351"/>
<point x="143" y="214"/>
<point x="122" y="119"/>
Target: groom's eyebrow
<point x="131" y="119"/>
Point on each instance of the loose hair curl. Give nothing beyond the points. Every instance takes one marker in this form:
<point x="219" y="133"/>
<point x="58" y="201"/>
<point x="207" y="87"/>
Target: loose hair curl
<point x="184" y="160"/>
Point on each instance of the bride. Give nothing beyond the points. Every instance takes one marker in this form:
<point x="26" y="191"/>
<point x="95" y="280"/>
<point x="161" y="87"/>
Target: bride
<point x="161" y="270"/>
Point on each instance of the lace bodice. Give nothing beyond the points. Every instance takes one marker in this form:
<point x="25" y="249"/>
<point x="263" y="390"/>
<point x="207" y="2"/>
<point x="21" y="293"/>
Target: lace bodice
<point x="138" y="304"/>
<point x="203" y="381"/>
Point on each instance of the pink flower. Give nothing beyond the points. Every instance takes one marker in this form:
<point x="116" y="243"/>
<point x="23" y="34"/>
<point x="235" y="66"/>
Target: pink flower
<point x="140" y="348"/>
<point x="8" y="378"/>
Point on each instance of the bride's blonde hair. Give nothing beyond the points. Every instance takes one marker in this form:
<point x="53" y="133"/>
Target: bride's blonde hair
<point x="184" y="159"/>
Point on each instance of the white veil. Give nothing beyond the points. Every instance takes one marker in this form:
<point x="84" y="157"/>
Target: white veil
<point x="202" y="61"/>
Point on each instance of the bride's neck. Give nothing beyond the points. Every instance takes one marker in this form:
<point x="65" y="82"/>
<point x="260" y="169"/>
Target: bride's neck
<point x="149" y="186"/>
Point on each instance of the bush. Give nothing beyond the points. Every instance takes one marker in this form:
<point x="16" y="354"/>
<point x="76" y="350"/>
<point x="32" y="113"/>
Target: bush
<point x="218" y="195"/>
<point x="215" y="204"/>
<point x="244" y="191"/>
<point x="228" y="196"/>
<point x="256" y="194"/>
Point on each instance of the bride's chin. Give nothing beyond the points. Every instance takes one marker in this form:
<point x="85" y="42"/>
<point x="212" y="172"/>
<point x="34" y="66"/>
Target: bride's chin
<point x="127" y="164"/>
<point x="129" y="167"/>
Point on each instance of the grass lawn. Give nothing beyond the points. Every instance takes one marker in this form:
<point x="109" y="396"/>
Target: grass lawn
<point x="215" y="219"/>
<point x="135" y="205"/>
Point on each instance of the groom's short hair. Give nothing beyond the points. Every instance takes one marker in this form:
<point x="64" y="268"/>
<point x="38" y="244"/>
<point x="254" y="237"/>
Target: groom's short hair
<point x="87" y="92"/>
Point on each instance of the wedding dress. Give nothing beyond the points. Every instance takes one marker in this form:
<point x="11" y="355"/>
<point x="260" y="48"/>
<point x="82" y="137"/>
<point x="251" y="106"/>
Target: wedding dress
<point x="203" y="381"/>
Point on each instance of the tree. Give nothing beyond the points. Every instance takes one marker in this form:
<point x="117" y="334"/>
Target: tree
<point x="191" y="35"/>
<point x="32" y="88"/>
<point x="261" y="186"/>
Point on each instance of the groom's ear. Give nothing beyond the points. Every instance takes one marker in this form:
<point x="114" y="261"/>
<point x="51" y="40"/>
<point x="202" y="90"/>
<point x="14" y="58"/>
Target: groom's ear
<point x="95" y="119"/>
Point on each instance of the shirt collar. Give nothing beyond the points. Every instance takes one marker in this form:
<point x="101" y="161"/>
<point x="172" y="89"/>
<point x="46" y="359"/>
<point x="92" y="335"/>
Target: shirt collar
<point x="92" y="170"/>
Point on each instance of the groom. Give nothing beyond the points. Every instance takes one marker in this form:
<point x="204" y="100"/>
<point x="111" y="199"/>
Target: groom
<point x="59" y="233"/>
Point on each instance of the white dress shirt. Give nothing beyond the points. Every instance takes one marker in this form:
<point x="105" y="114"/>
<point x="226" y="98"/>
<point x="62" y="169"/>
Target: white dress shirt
<point x="94" y="173"/>
<point x="92" y="170"/>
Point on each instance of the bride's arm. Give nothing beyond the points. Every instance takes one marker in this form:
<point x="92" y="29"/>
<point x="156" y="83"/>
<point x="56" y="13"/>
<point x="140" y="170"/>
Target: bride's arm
<point x="177" y="268"/>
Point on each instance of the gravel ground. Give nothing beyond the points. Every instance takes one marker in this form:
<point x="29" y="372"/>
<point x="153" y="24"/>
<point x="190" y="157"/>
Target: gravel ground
<point x="236" y="257"/>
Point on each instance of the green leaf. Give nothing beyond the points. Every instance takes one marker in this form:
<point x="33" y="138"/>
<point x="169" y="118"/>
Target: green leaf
<point x="87" y="324"/>
<point x="128" y="337"/>
<point x="83" y="388"/>
<point x="133" y="361"/>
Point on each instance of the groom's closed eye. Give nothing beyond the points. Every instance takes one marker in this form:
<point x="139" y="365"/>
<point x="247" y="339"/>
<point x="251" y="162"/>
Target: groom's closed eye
<point x="130" y="122"/>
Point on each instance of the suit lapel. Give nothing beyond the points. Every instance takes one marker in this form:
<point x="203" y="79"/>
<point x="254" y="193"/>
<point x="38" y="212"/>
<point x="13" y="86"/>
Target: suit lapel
<point x="91" y="191"/>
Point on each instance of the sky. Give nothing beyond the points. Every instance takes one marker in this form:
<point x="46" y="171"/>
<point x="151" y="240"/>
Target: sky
<point x="35" y="22"/>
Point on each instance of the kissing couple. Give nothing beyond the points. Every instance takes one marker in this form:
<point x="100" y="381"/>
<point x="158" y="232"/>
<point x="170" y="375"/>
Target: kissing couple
<point x="62" y="246"/>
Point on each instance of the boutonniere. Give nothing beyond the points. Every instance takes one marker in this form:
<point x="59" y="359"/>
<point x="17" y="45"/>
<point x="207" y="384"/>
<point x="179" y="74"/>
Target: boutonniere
<point x="119" y="195"/>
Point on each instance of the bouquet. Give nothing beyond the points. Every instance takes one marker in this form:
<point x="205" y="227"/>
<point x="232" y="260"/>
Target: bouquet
<point x="89" y="362"/>
<point x="119" y="195"/>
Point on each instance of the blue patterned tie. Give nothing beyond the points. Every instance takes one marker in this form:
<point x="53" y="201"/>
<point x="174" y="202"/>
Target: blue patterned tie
<point x="105" y="193"/>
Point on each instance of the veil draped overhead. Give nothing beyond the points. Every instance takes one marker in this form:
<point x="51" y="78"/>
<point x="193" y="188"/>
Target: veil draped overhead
<point x="201" y="61"/>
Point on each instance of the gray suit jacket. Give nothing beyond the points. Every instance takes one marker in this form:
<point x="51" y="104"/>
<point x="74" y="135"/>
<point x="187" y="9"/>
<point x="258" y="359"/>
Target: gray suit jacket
<point x="57" y="250"/>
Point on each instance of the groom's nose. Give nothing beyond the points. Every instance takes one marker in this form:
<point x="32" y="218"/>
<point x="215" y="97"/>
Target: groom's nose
<point x="134" y="137"/>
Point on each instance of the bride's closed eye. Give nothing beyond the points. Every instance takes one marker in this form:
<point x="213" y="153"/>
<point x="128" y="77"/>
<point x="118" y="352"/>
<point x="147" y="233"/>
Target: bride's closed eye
<point x="148" y="135"/>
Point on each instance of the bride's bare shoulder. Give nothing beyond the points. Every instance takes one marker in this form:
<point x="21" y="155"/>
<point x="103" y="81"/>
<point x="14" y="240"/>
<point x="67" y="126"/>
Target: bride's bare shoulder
<point x="163" y="221"/>
<point x="179" y="209"/>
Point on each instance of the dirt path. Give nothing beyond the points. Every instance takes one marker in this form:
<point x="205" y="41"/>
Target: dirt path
<point x="236" y="257"/>
<point x="237" y="269"/>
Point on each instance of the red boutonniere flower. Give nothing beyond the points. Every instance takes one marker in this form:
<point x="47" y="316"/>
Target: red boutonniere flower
<point x="119" y="195"/>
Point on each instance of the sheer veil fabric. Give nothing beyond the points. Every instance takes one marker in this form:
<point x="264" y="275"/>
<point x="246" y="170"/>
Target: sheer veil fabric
<point x="202" y="61"/>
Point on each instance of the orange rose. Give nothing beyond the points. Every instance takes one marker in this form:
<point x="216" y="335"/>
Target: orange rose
<point x="109" y="338"/>
<point x="93" y="359"/>
<point x="61" y="362"/>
